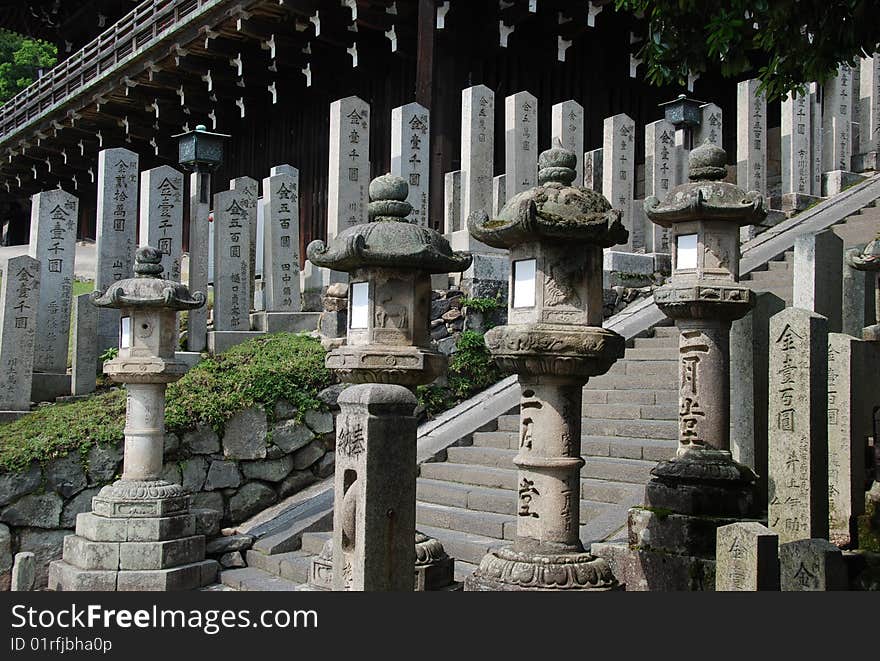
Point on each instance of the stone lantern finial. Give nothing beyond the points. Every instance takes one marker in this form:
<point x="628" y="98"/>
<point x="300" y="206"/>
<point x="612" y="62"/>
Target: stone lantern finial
<point x="148" y="262"/>
<point x="388" y="199"/>
<point x="707" y="162"/>
<point x="557" y="165"/>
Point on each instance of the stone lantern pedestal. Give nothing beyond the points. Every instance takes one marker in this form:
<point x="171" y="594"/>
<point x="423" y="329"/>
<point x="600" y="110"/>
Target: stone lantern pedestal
<point x="672" y="538"/>
<point x="140" y="534"/>
<point x="375" y="546"/>
<point x="554" y="341"/>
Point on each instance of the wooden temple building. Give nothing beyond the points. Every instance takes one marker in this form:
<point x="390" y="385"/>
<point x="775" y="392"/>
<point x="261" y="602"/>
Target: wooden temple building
<point x="266" y="72"/>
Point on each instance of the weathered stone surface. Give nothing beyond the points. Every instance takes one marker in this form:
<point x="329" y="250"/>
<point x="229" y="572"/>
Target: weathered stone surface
<point x="208" y="500"/>
<point x="477" y="149"/>
<point x="226" y="543"/>
<point x="281" y="240"/>
<point x="84" y="356"/>
<point x="810" y="565"/>
<point x="326" y="465"/>
<point x="349" y="164"/>
<point x="5" y="555"/>
<point x="245" y="435"/>
<point x="330" y="394"/>
<point x="80" y="503"/>
<point x="452" y="202"/>
<point x="751" y="136"/>
<point x="232" y="560"/>
<point x="661" y="164"/>
<point x="171" y="443"/>
<point x="818" y="276"/>
<point x="233" y="286"/>
<point x="46" y="546"/>
<point x="203" y="440"/>
<point x="206" y="521"/>
<point x="837" y="120"/>
<point x="161" y="555"/>
<point x="798" y="416"/>
<point x="320" y="422"/>
<point x="171" y="473"/>
<point x="249" y="500"/>
<point x="104" y="462"/>
<point x="193" y="473"/>
<point x="66" y="475"/>
<point x="19" y="307"/>
<point x="284" y="410"/>
<point x="291" y="435"/>
<point x="746" y="558"/>
<point x="13" y="485"/>
<point x="35" y="510"/>
<point x="567" y="124"/>
<point x="54" y="216"/>
<point x="269" y="470"/>
<point x="411" y="156"/>
<point x="618" y="171"/>
<point x="161" y="216"/>
<point x="593" y="170"/>
<point x="308" y="455"/>
<point x="91" y="555"/>
<point x="296" y="482"/>
<point x="24" y="572"/>
<point x="711" y="127"/>
<point x="520" y="142"/>
<point x="797" y="135"/>
<point x="221" y="475"/>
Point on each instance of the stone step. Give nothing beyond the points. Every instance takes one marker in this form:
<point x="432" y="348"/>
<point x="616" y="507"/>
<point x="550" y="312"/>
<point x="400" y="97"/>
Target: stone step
<point x="630" y="381"/>
<point x="768" y="279"/>
<point x="666" y="331"/>
<point x="603" y="468"/>
<point x="775" y="267"/>
<point x="595" y="426"/>
<point x="488" y="524"/>
<point x="667" y="354"/>
<point x="313" y="542"/>
<point x="251" y="579"/>
<point x="597" y="490"/>
<point x="463" y="570"/>
<point x="465" y="547"/>
<point x="484" y="499"/>
<point x="640" y="368"/>
<point x="655" y="342"/>
<point x="634" y="396"/>
<point x="290" y="565"/>
<point x="628" y="448"/>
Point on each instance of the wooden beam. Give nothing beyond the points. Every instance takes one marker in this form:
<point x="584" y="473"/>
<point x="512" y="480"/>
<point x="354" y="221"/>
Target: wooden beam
<point x="425" y="54"/>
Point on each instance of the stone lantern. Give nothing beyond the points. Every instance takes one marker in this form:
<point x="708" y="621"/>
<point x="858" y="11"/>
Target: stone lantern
<point x="388" y="351"/>
<point x="555" y="342"/>
<point x="140" y="535"/>
<point x="200" y="152"/>
<point x="869" y="260"/>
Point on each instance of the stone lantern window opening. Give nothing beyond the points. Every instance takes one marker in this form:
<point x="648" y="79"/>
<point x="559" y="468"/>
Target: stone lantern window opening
<point x="359" y="314"/>
<point x="524" y="275"/>
<point x="125" y="332"/>
<point x="685" y="252"/>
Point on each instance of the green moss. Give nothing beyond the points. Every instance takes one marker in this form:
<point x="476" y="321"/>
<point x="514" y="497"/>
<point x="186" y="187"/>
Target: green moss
<point x="471" y="370"/>
<point x="484" y="304"/>
<point x="494" y="223"/>
<point x="869" y="536"/>
<point x="258" y="372"/>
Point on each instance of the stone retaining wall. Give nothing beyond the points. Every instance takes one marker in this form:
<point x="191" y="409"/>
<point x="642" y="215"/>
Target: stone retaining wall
<point x="258" y="460"/>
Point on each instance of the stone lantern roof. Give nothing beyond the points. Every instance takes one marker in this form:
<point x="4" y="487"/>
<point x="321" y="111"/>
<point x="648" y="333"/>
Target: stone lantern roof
<point x="148" y="289"/>
<point x="706" y="196"/>
<point x="552" y="211"/>
<point x="388" y="240"/>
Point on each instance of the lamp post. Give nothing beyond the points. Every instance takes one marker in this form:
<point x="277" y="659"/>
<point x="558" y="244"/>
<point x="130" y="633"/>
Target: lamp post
<point x="140" y="534"/>
<point x="684" y="114"/>
<point x="390" y="262"/>
<point x="555" y="342"/>
<point x="704" y="296"/>
<point x="200" y="152"/>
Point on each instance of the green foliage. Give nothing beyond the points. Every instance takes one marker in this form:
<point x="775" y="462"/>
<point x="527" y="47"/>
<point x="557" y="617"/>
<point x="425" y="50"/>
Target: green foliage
<point x="787" y="42"/>
<point x="471" y="370"/>
<point x="484" y="304"/>
<point x="259" y="372"/>
<point x="20" y="59"/>
<point x="109" y="354"/>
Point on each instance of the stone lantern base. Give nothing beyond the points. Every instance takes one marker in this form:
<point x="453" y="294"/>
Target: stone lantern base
<point x="434" y="570"/>
<point x="140" y="536"/>
<point x="508" y="570"/>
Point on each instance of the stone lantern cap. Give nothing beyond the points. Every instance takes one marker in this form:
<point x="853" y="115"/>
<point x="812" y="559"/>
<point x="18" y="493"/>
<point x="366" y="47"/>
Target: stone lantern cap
<point x="388" y="240"/>
<point x="706" y="196"/>
<point x="552" y="211"/>
<point x="868" y="259"/>
<point x="148" y="289"/>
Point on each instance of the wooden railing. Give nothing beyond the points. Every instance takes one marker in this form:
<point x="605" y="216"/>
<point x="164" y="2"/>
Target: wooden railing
<point x="144" y="25"/>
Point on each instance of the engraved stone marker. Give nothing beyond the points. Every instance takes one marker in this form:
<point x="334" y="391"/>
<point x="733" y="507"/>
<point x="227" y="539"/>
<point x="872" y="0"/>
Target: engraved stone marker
<point x="232" y="284"/>
<point x="796" y="138"/>
<point x="249" y="200"/>
<point x="161" y="216"/>
<point x="54" y="216"/>
<point x="411" y="156"/>
<point x="818" y="276"/>
<point x="19" y="304"/>
<point x="798" y="419"/>
<point x="499" y="193"/>
<point x="869" y="111"/>
<point x="661" y="163"/>
<point x="281" y="240"/>
<point x="811" y="565"/>
<point x="116" y="238"/>
<point x="520" y="142"/>
<point x="849" y="425"/>
<point x="746" y="557"/>
<point x="84" y="363"/>
<point x="349" y="164"/>
<point x="751" y="137"/>
<point x="837" y="120"/>
<point x="618" y="174"/>
<point x="593" y="170"/>
<point x="816" y="141"/>
<point x="452" y="202"/>
<point x="477" y="149"/>
<point x="567" y="125"/>
<point x="712" y="126"/>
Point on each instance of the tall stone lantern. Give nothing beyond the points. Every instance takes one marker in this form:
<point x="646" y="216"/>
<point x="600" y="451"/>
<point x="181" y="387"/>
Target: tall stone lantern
<point x="555" y="342"/>
<point x="704" y="296"/>
<point x="201" y="152"/>
<point x="140" y="535"/>
<point x="388" y="352"/>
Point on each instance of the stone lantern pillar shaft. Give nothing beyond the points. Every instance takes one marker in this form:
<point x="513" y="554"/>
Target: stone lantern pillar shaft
<point x="144" y="431"/>
<point x="199" y="235"/>
<point x="704" y="384"/>
<point x="549" y="462"/>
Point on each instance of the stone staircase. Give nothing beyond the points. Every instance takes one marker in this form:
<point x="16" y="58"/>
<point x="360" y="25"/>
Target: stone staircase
<point x="466" y="493"/>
